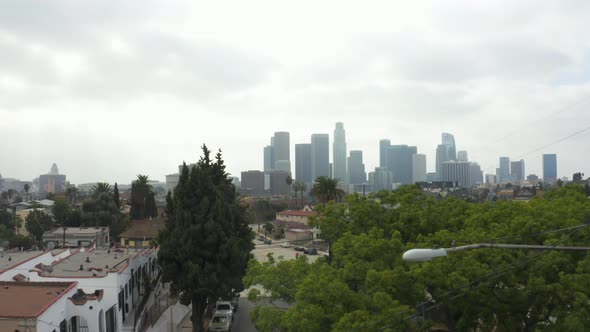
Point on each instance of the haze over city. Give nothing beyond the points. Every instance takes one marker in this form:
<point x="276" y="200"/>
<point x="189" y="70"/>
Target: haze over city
<point x="109" y="94"/>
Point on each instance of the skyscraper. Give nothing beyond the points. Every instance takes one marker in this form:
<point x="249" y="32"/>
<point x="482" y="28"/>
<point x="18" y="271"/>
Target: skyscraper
<point x="504" y="170"/>
<point x="269" y="160"/>
<point x="53" y="182"/>
<point x="418" y="168"/>
<point x="253" y="181"/>
<point x="282" y="148"/>
<point x="446" y="151"/>
<point x="278" y="182"/>
<point x="399" y="162"/>
<point x="457" y="171"/>
<point x="462" y="156"/>
<point x="380" y="179"/>
<point x="339" y="153"/>
<point x="356" y="168"/>
<point x="303" y="163"/>
<point x="549" y="168"/>
<point x="320" y="155"/>
<point x="449" y="141"/>
<point x="517" y="170"/>
<point x="383" y="147"/>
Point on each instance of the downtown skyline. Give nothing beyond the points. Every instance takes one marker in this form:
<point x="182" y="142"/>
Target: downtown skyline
<point x="161" y="79"/>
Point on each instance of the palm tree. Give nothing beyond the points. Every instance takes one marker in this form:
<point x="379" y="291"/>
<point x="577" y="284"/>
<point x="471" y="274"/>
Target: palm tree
<point x="289" y="182"/>
<point x="326" y="189"/>
<point x="71" y="194"/>
<point x="27" y="187"/>
<point x="299" y="187"/>
<point x="100" y="188"/>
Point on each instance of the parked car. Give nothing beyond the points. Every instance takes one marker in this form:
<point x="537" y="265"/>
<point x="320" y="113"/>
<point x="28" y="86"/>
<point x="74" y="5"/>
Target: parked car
<point x="220" y="322"/>
<point x="235" y="301"/>
<point x="268" y="241"/>
<point x="224" y="308"/>
<point x="261" y="238"/>
<point x="298" y="248"/>
<point x="285" y="245"/>
<point x="310" y="251"/>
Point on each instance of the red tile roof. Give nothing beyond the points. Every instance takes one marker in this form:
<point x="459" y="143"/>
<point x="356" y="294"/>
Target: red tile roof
<point x="30" y="299"/>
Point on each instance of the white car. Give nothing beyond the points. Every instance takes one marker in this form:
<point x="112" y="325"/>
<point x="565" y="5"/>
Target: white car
<point x="286" y="245"/>
<point x="224" y="308"/>
<point x="220" y="322"/>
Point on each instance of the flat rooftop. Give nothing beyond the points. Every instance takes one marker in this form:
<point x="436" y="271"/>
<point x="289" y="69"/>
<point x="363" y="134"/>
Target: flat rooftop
<point x="77" y="231"/>
<point x="94" y="263"/>
<point x="10" y="259"/>
<point x="30" y="299"/>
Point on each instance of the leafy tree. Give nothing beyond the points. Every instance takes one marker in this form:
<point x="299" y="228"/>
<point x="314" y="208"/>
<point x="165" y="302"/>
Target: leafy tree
<point x="38" y="222"/>
<point x="116" y="196"/>
<point x="61" y="210"/>
<point x="205" y="247"/>
<point x="559" y="183"/>
<point x="50" y="196"/>
<point x="326" y="189"/>
<point x="71" y="195"/>
<point x="74" y="218"/>
<point x="101" y="188"/>
<point x="578" y="176"/>
<point x="6" y="219"/>
<point x="268" y="228"/>
<point x="102" y="212"/>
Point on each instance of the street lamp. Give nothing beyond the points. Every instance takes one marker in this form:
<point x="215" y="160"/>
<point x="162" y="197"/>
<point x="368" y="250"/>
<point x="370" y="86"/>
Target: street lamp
<point x="422" y="255"/>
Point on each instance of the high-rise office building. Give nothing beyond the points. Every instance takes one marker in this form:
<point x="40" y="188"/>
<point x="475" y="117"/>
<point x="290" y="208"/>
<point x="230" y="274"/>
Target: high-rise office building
<point x="504" y="170"/>
<point x="269" y="160"/>
<point x="462" y="156"/>
<point x="476" y="174"/>
<point x="549" y="168"/>
<point x="418" y="168"/>
<point x="384" y="145"/>
<point x="282" y="150"/>
<point x="356" y="168"/>
<point x="253" y="181"/>
<point x="457" y="171"/>
<point x="449" y="141"/>
<point x="446" y="151"/>
<point x="320" y="156"/>
<point x="339" y="153"/>
<point x="381" y="179"/>
<point x="53" y="182"/>
<point x="517" y="170"/>
<point x="278" y="182"/>
<point x="399" y="162"/>
<point x="491" y="179"/>
<point x="303" y="163"/>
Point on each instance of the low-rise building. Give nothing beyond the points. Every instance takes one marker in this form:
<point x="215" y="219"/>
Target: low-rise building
<point x="142" y="233"/>
<point x="77" y="237"/>
<point x="296" y="215"/>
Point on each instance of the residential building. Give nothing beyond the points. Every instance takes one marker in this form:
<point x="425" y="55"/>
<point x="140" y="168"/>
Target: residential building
<point x="303" y="163"/>
<point x="253" y="181"/>
<point x="320" y="156"/>
<point x="142" y="233"/>
<point x="77" y="237"/>
<point x="549" y="168"/>
<point x="339" y="154"/>
<point x="296" y="216"/>
<point x="356" y="168"/>
<point x="418" y="168"/>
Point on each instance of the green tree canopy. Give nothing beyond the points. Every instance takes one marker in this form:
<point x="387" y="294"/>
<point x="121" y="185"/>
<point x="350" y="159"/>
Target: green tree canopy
<point x="38" y="222"/>
<point x="205" y="247"/>
<point x="326" y="189"/>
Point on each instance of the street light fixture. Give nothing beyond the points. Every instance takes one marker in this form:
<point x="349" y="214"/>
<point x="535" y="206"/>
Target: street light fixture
<point x="422" y="255"/>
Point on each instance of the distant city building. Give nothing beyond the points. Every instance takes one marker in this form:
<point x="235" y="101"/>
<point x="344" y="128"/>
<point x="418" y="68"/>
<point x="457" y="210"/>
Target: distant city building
<point x="283" y="165"/>
<point x="172" y="181"/>
<point x="532" y="178"/>
<point x="399" y="162"/>
<point x="517" y="170"/>
<point x="491" y="179"/>
<point x="356" y="168"/>
<point x="303" y="163"/>
<point x="476" y="174"/>
<point x="462" y="156"/>
<point x="282" y="150"/>
<point x="431" y="177"/>
<point x="418" y="168"/>
<point x="236" y="181"/>
<point x="53" y="182"/>
<point x="446" y="151"/>
<point x="549" y="168"/>
<point x="384" y="145"/>
<point x="320" y="156"/>
<point x="381" y="179"/>
<point x="269" y="160"/>
<point x="278" y="182"/>
<point x="339" y="153"/>
<point x="457" y="171"/>
<point x="504" y="170"/>
<point x="253" y="181"/>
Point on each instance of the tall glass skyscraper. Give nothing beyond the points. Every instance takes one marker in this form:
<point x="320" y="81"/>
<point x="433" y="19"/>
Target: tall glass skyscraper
<point x="447" y="151"/>
<point x="356" y="168"/>
<point x="549" y="168"/>
<point x="303" y="163"/>
<point x="320" y="155"/>
<point x="384" y="145"/>
<point x="282" y="150"/>
<point x="339" y="153"/>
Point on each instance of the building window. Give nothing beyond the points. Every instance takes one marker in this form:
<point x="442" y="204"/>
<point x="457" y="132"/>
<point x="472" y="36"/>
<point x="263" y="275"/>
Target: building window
<point x="110" y="320"/>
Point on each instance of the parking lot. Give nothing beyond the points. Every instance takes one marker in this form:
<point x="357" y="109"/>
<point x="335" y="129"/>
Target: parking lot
<point x="262" y="250"/>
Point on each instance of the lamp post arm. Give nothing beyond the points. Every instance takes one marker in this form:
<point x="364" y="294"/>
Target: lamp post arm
<point x="514" y="246"/>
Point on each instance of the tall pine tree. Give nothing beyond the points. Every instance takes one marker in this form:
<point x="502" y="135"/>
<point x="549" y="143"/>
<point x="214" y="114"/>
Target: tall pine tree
<point x="206" y="245"/>
<point x="116" y="196"/>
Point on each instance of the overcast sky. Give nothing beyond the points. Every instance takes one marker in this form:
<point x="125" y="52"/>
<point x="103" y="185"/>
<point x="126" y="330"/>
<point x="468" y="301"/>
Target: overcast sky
<point x="110" y="89"/>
